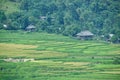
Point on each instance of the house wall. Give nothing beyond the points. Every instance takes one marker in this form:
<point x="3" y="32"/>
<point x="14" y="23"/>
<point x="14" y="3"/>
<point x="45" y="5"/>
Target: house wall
<point x="85" y="37"/>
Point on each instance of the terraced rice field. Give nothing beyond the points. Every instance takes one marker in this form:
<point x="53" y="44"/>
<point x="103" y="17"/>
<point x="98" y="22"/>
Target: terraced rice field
<point x="57" y="57"/>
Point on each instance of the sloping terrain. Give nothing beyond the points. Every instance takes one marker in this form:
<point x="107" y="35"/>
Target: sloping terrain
<point x="56" y="57"/>
<point x="9" y="6"/>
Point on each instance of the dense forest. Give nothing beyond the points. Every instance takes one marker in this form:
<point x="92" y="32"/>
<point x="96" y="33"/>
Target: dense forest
<point x="67" y="17"/>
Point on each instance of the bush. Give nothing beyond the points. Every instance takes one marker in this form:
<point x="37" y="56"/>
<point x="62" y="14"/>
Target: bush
<point x="116" y="60"/>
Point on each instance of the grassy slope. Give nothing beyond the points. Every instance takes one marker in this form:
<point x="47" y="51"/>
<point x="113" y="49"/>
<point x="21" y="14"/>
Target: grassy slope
<point x="8" y="6"/>
<point x="57" y="57"/>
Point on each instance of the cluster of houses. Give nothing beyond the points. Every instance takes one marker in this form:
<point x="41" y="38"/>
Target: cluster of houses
<point x="87" y="35"/>
<point x="83" y="35"/>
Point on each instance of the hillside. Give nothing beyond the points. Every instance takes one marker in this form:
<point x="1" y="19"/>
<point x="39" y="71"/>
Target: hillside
<point x="56" y="57"/>
<point x="51" y="50"/>
<point x="67" y="17"/>
<point x="9" y="7"/>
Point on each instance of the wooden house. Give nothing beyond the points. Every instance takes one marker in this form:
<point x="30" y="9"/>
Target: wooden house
<point x="30" y="28"/>
<point x="85" y="35"/>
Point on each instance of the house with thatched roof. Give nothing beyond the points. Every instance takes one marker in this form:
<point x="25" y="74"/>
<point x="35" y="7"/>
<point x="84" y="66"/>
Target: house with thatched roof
<point x="30" y="28"/>
<point x="43" y="17"/>
<point x="85" y="35"/>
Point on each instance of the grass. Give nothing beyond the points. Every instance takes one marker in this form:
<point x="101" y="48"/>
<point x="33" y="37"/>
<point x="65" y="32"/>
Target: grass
<point x="9" y="7"/>
<point x="24" y="51"/>
<point x="56" y="57"/>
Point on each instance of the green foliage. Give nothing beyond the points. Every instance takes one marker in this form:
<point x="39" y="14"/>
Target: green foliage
<point x="116" y="37"/>
<point x="100" y="17"/>
<point x="117" y="60"/>
<point x="2" y="16"/>
<point x="71" y="30"/>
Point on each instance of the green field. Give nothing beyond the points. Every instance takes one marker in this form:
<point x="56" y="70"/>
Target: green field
<point x="9" y="7"/>
<point x="56" y="57"/>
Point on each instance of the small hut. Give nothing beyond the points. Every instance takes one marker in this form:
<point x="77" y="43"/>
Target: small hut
<point x="43" y="17"/>
<point x="30" y="28"/>
<point x="85" y="35"/>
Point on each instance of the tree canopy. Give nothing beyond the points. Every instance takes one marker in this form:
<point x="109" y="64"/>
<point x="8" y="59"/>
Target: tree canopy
<point x="67" y="17"/>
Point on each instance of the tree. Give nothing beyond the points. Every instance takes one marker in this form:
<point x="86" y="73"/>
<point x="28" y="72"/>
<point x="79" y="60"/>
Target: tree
<point x="116" y="60"/>
<point x="25" y="4"/>
<point x="71" y="30"/>
<point x="52" y="7"/>
<point x="2" y="16"/>
<point x="116" y="37"/>
<point x="66" y="16"/>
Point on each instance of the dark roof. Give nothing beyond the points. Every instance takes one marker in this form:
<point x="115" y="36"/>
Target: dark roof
<point x="85" y="33"/>
<point x="31" y="27"/>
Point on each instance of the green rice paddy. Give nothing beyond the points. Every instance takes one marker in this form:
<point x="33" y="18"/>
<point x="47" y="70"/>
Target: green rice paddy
<point x="57" y="57"/>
